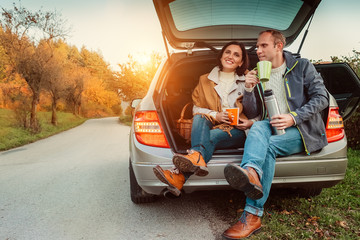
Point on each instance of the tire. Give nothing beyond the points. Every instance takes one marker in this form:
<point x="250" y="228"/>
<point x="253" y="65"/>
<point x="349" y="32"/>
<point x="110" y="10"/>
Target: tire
<point x="309" y="192"/>
<point x="138" y="195"/>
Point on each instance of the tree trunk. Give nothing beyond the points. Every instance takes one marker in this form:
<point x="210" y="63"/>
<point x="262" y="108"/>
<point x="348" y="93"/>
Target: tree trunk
<point x="54" y="116"/>
<point x="78" y="109"/>
<point x="74" y="108"/>
<point x="33" y="119"/>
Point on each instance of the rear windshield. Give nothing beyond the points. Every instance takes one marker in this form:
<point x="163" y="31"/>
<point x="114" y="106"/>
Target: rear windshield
<point x="190" y="14"/>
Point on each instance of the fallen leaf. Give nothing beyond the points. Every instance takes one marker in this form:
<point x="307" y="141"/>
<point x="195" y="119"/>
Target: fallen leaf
<point x="342" y="224"/>
<point x="313" y="219"/>
<point x="285" y="212"/>
<point x="319" y="232"/>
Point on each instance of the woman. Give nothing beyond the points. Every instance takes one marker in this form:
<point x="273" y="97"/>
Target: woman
<point x="224" y="87"/>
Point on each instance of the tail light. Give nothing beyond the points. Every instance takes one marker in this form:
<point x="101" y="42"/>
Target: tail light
<point x="148" y="130"/>
<point x="335" y="125"/>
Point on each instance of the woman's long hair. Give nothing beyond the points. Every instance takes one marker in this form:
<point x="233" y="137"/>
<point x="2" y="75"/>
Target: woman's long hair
<point x="245" y="58"/>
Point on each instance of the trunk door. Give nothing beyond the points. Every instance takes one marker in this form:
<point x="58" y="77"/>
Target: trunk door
<point x="202" y="23"/>
<point x="343" y="84"/>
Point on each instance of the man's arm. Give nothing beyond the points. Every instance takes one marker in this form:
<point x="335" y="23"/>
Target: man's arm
<point x="252" y="106"/>
<point x="316" y="92"/>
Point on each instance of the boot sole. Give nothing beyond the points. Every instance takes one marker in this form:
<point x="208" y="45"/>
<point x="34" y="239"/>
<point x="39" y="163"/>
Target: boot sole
<point x="160" y="175"/>
<point x="252" y="233"/>
<point x="239" y="180"/>
<point x="185" y="165"/>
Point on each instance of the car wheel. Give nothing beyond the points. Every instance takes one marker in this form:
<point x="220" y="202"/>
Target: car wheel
<point x="309" y="192"/>
<point x="138" y="195"/>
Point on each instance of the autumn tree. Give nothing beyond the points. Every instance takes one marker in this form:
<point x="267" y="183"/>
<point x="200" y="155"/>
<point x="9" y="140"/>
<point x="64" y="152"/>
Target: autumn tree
<point x="96" y="65"/>
<point x="24" y="30"/>
<point x="98" y="92"/>
<point x="77" y="76"/>
<point x="133" y="79"/>
<point x="55" y="81"/>
<point x="3" y="62"/>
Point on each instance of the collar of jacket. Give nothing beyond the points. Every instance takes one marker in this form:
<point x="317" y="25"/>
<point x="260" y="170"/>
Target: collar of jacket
<point x="214" y="76"/>
<point x="290" y="61"/>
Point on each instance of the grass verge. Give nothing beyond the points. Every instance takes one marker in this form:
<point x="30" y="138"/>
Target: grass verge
<point x="334" y="214"/>
<point x="11" y="135"/>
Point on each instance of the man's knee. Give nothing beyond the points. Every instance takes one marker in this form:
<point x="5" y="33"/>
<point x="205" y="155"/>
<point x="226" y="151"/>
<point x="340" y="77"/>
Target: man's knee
<point x="261" y="127"/>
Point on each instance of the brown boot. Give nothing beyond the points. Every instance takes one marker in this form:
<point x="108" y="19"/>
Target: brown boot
<point x="248" y="224"/>
<point x="173" y="178"/>
<point x="246" y="180"/>
<point x="192" y="162"/>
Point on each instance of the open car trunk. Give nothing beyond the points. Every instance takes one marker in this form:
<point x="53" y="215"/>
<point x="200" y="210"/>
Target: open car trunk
<point x="182" y="78"/>
<point x="179" y="84"/>
<point x="184" y="73"/>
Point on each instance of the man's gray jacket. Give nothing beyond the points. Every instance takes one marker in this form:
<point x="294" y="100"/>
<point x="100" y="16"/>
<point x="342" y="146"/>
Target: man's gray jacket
<point x="306" y="97"/>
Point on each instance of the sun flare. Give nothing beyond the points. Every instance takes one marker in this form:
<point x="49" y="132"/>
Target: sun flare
<point x="142" y="58"/>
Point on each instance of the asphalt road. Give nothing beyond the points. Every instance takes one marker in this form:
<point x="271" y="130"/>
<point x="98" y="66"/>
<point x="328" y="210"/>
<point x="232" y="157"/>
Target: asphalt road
<point x="75" y="185"/>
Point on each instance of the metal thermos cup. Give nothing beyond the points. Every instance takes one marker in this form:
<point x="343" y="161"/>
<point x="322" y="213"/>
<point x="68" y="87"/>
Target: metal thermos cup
<point x="272" y="108"/>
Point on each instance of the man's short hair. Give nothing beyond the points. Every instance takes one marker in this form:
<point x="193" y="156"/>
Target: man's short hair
<point x="278" y="36"/>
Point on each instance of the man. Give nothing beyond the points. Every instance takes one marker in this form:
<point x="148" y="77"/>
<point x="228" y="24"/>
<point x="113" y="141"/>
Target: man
<point x="301" y="96"/>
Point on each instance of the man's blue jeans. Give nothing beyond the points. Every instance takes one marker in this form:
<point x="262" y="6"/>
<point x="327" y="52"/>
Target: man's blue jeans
<point x="260" y="152"/>
<point x="206" y="140"/>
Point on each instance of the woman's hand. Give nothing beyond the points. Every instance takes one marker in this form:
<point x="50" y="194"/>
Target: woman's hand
<point x="223" y="117"/>
<point x="244" y="124"/>
<point x="251" y="79"/>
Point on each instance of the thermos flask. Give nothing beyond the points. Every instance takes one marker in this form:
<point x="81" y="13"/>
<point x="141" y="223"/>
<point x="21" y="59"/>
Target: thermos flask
<point x="272" y="108"/>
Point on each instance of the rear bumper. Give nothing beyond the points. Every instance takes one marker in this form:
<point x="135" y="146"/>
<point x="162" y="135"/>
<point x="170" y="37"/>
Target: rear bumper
<point x="322" y="169"/>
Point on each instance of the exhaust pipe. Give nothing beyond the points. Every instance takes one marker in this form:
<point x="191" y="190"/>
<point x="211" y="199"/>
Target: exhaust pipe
<point x="170" y="195"/>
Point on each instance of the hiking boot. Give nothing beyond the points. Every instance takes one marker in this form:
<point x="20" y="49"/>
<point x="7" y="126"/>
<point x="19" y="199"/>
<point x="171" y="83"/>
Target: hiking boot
<point x="244" y="179"/>
<point x="192" y="163"/>
<point x="247" y="225"/>
<point x="173" y="178"/>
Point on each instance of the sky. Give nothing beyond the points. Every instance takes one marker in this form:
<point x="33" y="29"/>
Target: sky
<point x="117" y="28"/>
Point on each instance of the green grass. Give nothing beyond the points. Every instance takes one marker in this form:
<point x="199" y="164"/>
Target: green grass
<point x="12" y="135"/>
<point x="334" y="214"/>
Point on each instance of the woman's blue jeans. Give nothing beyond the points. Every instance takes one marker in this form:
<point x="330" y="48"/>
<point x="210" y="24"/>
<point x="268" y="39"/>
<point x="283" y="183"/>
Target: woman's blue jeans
<point x="260" y="152"/>
<point x="206" y="140"/>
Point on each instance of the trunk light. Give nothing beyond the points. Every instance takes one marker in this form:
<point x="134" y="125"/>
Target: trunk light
<point x="148" y="130"/>
<point x="335" y="125"/>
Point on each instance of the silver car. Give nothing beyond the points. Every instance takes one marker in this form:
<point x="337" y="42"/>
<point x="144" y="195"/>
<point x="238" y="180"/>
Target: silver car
<point x="197" y="29"/>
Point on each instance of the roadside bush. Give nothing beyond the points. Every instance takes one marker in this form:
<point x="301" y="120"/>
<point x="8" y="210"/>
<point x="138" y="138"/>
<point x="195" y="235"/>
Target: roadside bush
<point x="129" y="111"/>
<point x="22" y="112"/>
<point x="126" y="119"/>
<point x="352" y="124"/>
<point x="352" y="129"/>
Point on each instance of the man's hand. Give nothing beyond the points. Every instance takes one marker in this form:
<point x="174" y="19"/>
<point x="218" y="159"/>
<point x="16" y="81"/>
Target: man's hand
<point x="244" y="124"/>
<point x="282" y="121"/>
<point x="223" y="117"/>
<point x="251" y="79"/>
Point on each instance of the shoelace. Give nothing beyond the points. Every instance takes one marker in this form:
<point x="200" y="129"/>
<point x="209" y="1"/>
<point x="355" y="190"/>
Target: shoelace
<point x="174" y="171"/>
<point x="243" y="217"/>
<point x="190" y="151"/>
